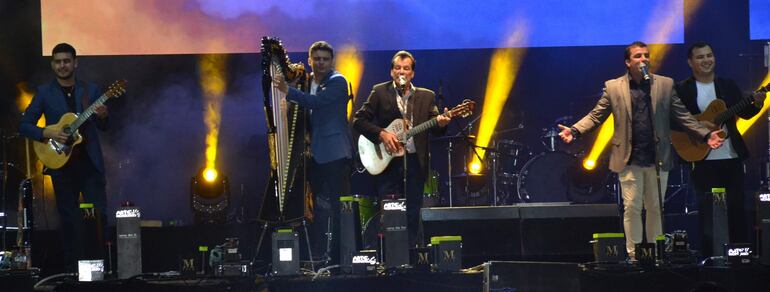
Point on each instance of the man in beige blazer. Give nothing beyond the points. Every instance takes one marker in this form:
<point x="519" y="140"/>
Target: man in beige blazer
<point x="644" y="105"/>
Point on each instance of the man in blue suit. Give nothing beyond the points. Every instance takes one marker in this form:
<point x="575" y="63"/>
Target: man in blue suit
<point x="330" y="142"/>
<point x="84" y="171"/>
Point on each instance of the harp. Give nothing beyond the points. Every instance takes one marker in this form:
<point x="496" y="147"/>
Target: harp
<point x="287" y="196"/>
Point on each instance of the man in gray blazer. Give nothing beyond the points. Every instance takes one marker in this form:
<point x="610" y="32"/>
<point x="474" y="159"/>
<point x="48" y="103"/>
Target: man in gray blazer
<point x="643" y="105"/>
<point x="330" y="143"/>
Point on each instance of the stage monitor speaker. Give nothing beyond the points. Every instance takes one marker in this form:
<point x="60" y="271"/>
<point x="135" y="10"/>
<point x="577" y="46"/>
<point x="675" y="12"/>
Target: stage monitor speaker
<point x="350" y="232"/>
<point x="531" y="276"/>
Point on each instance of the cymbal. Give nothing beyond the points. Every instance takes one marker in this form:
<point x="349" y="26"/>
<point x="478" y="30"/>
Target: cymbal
<point x="465" y="174"/>
<point x="452" y="138"/>
<point x="509" y="130"/>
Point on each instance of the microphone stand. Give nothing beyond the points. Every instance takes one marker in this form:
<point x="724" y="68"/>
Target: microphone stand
<point x="5" y="187"/>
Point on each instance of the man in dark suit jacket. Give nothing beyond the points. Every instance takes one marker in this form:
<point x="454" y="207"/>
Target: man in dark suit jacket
<point x="400" y="99"/>
<point x="84" y="172"/>
<point x="723" y="167"/>
<point x="330" y="143"/>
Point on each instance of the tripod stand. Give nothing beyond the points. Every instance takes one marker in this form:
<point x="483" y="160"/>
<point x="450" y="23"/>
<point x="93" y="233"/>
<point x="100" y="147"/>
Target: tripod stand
<point x="683" y="188"/>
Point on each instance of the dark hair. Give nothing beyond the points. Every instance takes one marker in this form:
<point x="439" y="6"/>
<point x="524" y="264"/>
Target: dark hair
<point x="401" y="55"/>
<point x="627" y="52"/>
<point x="321" y="45"/>
<point x="64" y="48"/>
<point x="694" y="46"/>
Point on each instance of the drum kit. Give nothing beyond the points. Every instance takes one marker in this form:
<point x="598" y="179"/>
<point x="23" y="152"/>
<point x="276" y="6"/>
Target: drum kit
<point x="515" y="172"/>
<point x="15" y="211"/>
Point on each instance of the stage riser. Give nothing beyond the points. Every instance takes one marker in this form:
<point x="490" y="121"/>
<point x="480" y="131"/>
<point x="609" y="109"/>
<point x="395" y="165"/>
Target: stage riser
<point x="525" y="231"/>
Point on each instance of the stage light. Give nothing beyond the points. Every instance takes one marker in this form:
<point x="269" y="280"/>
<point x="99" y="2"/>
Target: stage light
<point x="210" y="174"/>
<point x="209" y="197"/>
<point x="213" y="82"/>
<point x="503" y="70"/>
<point x="604" y="136"/>
<point x="475" y="167"/>
<point x="351" y="64"/>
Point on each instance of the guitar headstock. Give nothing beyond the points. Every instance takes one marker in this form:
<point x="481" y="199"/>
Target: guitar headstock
<point x="763" y="89"/>
<point x="117" y="89"/>
<point x="463" y="110"/>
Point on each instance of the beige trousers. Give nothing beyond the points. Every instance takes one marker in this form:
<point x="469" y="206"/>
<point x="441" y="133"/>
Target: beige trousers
<point x="639" y="186"/>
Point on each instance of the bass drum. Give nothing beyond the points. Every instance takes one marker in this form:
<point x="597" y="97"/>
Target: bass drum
<point x="16" y="187"/>
<point x="559" y="177"/>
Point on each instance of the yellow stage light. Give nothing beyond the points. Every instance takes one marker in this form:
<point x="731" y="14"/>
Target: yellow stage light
<point x="351" y="64"/>
<point x="503" y="70"/>
<point x="212" y="70"/>
<point x="475" y="168"/>
<point x="210" y="174"/>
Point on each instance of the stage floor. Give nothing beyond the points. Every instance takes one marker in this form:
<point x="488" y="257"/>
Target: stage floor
<point x="517" y="276"/>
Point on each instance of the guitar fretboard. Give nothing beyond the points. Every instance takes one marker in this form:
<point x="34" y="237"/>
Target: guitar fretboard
<point x="733" y="110"/>
<point x="83" y="117"/>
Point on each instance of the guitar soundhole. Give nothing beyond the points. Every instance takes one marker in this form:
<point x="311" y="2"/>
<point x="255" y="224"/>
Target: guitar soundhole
<point x="67" y="130"/>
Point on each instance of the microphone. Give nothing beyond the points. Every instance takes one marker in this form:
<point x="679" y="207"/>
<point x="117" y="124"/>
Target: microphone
<point x="401" y="82"/>
<point x="645" y="71"/>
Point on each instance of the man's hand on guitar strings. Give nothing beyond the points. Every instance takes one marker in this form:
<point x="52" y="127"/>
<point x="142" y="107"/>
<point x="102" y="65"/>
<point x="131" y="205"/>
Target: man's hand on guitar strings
<point x="57" y="134"/>
<point x="715" y="140"/>
<point x="392" y="145"/>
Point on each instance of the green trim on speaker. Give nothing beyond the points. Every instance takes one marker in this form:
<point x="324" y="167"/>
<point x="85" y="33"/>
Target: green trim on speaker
<point x="660" y="237"/>
<point x="203" y="248"/>
<point x="438" y="239"/>
<point x="286" y="230"/>
<point x="346" y="199"/>
<point x="86" y="205"/>
<point x="608" y="235"/>
<point x="718" y="190"/>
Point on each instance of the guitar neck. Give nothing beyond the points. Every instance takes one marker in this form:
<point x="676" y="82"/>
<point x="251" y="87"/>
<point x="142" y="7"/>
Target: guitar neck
<point x="733" y="110"/>
<point x="83" y="117"/>
<point x="414" y="131"/>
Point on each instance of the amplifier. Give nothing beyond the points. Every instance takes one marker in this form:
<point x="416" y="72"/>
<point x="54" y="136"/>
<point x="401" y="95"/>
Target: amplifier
<point x="365" y="262"/>
<point x="350" y="232"/>
<point x="763" y="214"/>
<point x="238" y="269"/>
<point x="129" y="242"/>
<point x="715" y="232"/>
<point x="285" y="252"/>
<point x="396" y="233"/>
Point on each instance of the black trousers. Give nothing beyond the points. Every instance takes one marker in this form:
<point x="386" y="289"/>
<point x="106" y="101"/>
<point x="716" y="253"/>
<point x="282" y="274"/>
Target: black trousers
<point x="82" y="231"/>
<point x="391" y="182"/>
<point x="328" y="181"/>
<point x="728" y="174"/>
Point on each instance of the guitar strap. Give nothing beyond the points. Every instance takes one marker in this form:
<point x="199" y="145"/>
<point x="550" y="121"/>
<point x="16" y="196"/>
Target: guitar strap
<point x="84" y="102"/>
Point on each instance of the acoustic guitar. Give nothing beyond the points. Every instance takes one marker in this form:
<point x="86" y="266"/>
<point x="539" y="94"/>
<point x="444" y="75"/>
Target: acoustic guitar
<point x="54" y="154"/>
<point x="694" y="148"/>
<point x="376" y="158"/>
